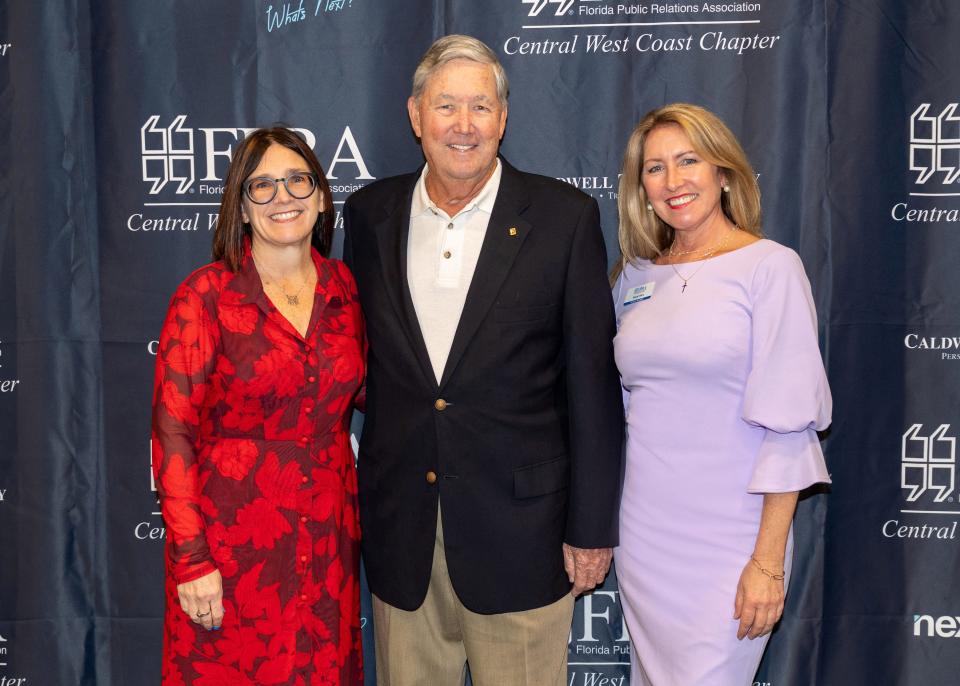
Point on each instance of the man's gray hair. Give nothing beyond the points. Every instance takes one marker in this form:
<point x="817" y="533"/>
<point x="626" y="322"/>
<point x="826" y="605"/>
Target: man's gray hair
<point x="459" y="47"/>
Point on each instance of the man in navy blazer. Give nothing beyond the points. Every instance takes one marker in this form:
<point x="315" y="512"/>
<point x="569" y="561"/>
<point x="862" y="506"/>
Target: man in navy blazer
<point x="490" y="460"/>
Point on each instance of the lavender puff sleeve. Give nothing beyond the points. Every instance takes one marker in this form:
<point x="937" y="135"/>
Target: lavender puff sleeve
<point x="787" y="394"/>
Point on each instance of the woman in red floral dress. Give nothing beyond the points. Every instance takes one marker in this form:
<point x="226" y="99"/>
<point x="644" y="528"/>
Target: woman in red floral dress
<point x="260" y="362"/>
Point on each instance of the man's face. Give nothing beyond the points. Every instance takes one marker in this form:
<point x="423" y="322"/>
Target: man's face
<point x="459" y="121"/>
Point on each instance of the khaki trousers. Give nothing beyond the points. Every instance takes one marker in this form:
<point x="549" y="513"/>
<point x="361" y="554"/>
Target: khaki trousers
<point x="432" y="645"/>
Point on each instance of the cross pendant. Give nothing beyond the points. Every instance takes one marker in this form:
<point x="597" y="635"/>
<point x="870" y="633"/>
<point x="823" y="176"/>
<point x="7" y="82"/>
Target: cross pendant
<point x="684" y="287"/>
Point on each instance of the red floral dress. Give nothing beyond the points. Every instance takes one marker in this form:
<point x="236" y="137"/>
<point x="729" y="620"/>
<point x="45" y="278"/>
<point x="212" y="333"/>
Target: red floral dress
<point x="255" y="472"/>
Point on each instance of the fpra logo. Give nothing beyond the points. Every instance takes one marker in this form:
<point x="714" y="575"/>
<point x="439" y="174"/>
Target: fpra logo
<point x="935" y="144"/>
<point x="928" y="463"/>
<point x="537" y="6"/>
<point x="169" y="157"/>
<point x="599" y="646"/>
<point x="928" y="480"/>
<point x="170" y="154"/>
<point x="934" y="154"/>
<point x="187" y="164"/>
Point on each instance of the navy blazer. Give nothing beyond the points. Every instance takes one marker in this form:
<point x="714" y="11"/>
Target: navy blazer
<point x="521" y="441"/>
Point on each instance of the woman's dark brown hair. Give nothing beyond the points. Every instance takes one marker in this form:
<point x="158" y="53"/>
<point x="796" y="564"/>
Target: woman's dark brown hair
<point x="231" y="230"/>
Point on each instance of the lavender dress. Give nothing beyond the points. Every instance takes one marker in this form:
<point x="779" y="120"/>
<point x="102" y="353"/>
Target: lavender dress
<point x="724" y="389"/>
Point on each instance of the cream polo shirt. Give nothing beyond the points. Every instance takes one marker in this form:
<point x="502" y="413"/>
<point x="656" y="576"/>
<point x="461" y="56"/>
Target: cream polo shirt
<point x="442" y="253"/>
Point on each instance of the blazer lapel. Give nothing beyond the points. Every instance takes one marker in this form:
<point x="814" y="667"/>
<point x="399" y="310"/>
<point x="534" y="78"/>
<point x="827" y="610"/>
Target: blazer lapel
<point x="505" y="235"/>
<point x="392" y="235"/>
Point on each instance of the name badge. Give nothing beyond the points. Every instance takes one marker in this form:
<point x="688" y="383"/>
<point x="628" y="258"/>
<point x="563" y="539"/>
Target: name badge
<point x="638" y="293"/>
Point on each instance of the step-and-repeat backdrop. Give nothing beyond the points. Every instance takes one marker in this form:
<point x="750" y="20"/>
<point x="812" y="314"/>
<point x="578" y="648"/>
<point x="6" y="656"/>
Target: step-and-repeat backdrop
<point x="118" y="120"/>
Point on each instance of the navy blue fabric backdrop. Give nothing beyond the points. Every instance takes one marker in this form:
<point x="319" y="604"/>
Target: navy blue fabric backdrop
<point x="118" y="122"/>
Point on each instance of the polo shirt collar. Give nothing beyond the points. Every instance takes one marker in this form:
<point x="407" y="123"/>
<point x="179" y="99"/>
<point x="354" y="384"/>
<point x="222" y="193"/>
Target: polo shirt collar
<point x="484" y="200"/>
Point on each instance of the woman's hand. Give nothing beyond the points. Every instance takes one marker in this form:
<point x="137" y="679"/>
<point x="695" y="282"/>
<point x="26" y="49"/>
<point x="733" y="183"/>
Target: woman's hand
<point x="759" y="602"/>
<point x="202" y="600"/>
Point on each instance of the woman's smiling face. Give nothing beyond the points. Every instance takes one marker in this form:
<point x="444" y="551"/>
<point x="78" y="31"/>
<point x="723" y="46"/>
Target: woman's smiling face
<point x="683" y="188"/>
<point x="285" y="220"/>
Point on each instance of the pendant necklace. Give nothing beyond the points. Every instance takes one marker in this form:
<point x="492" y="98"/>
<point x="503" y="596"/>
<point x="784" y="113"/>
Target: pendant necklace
<point x="291" y="299"/>
<point x="707" y="254"/>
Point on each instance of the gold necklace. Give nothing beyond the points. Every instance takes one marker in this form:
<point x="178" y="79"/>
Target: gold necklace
<point x="671" y="253"/>
<point x="291" y="299"/>
<point x="712" y="249"/>
<point x="706" y="256"/>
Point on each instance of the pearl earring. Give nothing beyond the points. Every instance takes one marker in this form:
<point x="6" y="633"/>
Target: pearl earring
<point x="726" y="188"/>
<point x="649" y="206"/>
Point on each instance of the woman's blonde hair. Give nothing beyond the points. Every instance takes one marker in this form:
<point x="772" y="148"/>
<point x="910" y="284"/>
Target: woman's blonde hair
<point x="642" y="233"/>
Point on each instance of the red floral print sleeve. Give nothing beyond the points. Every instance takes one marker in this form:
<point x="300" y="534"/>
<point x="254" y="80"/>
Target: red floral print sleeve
<point x="185" y="359"/>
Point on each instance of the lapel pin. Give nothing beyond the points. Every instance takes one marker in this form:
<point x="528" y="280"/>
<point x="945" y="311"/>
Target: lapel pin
<point x="512" y="231"/>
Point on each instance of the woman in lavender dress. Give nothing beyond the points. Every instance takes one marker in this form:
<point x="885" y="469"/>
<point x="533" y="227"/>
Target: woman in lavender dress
<point x="724" y="389"/>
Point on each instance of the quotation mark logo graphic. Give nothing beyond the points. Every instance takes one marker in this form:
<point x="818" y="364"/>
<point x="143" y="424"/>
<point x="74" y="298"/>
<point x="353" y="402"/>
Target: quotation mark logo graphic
<point x="935" y="143"/>
<point x="537" y="6"/>
<point x="167" y="154"/>
<point x="928" y="463"/>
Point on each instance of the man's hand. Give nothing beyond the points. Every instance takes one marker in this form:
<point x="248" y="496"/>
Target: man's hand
<point x="586" y="567"/>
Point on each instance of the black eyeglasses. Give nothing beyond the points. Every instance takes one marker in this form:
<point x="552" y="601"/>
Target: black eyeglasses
<point x="262" y="189"/>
